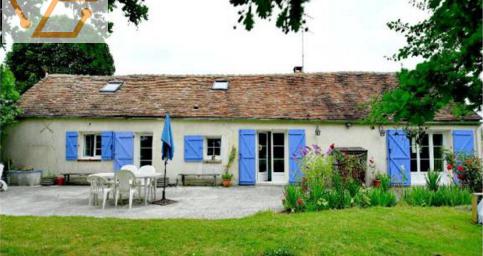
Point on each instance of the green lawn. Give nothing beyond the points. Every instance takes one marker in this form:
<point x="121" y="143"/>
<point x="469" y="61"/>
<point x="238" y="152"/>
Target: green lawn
<point x="383" y="231"/>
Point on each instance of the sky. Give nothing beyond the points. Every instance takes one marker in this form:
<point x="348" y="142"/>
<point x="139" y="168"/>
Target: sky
<point x="197" y="37"/>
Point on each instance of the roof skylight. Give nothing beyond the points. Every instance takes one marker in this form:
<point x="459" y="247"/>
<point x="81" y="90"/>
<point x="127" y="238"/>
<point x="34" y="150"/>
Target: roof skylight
<point x="112" y="86"/>
<point x="220" y="85"/>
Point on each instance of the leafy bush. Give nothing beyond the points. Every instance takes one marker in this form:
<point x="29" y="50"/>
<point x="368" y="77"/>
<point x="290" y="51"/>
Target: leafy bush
<point x="293" y="198"/>
<point x="468" y="170"/>
<point x="444" y="196"/>
<point x="317" y="167"/>
<point x="432" y="180"/>
<point x="381" y="197"/>
<point x="385" y="181"/>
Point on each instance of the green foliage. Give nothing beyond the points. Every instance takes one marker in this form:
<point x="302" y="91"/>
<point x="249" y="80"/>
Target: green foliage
<point x="318" y="169"/>
<point x="8" y="98"/>
<point x="385" y="181"/>
<point x="450" y="42"/>
<point x="30" y="62"/>
<point x="231" y="158"/>
<point x="293" y="198"/>
<point x="290" y="14"/>
<point x="432" y="180"/>
<point x="468" y="170"/>
<point x="380" y="197"/>
<point x="444" y="196"/>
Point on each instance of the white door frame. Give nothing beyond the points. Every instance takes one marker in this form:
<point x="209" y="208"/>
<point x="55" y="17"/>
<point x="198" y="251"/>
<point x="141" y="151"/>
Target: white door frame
<point x="277" y="178"/>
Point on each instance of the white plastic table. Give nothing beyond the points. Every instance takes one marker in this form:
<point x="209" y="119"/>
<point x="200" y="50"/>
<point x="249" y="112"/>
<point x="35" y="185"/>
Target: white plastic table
<point x="140" y="176"/>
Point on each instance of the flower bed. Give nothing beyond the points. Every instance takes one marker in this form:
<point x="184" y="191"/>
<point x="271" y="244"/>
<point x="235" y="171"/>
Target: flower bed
<point x="325" y="187"/>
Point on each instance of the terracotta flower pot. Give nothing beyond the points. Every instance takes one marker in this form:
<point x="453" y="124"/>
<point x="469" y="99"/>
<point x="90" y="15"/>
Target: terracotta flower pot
<point x="59" y="181"/>
<point x="226" y="183"/>
<point x="377" y="183"/>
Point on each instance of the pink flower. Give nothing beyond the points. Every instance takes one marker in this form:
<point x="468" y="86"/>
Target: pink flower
<point x="460" y="168"/>
<point x="450" y="167"/>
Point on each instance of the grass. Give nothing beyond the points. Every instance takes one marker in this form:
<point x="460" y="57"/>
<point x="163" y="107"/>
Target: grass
<point x="400" y="230"/>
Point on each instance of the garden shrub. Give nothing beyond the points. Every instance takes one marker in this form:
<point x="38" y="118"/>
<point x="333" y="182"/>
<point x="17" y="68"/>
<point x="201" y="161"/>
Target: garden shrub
<point x="381" y="197"/>
<point x="293" y="198"/>
<point x="432" y="180"/>
<point x="468" y="170"/>
<point x="385" y="181"/>
<point x="444" y="196"/>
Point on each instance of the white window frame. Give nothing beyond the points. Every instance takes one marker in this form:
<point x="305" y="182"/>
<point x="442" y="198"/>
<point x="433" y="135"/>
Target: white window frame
<point x="205" y="153"/>
<point x="83" y="146"/>
<point x="431" y="152"/>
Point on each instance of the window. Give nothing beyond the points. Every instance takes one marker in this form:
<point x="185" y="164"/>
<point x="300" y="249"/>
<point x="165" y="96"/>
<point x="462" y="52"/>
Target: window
<point x="112" y="86"/>
<point x="146" y="150"/>
<point x="278" y="152"/>
<point x="428" y="155"/>
<point x="213" y="147"/>
<point x="92" y="145"/>
<point x="220" y="85"/>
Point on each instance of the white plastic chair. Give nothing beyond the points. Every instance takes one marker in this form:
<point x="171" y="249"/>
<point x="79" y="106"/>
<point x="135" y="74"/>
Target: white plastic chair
<point x="149" y="169"/>
<point x="92" y="190"/>
<point x="3" y="184"/>
<point x="99" y="185"/>
<point x="126" y="184"/>
<point x="129" y="167"/>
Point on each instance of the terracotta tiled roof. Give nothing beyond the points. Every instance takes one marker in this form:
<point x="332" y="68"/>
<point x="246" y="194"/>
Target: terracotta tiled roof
<point x="322" y="96"/>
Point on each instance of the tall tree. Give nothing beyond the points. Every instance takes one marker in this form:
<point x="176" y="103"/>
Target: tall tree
<point x="450" y="42"/>
<point x="8" y="98"/>
<point x="30" y="62"/>
<point x="289" y="13"/>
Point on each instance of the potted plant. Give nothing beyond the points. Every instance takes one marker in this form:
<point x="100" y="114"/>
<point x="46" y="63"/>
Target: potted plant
<point x="227" y="176"/>
<point x="377" y="176"/>
<point x="48" y="178"/>
<point x="377" y="180"/>
<point x="24" y="177"/>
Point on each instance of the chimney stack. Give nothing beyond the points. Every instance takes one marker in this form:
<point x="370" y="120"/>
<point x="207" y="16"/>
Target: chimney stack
<point x="298" y="69"/>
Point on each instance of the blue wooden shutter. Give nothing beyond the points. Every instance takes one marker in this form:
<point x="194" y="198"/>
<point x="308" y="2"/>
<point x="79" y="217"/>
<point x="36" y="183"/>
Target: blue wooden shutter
<point x="398" y="157"/>
<point x="71" y="145"/>
<point x="463" y="142"/>
<point x="107" y="145"/>
<point x="123" y="149"/>
<point x="246" y="159"/>
<point x="296" y="143"/>
<point x="193" y="148"/>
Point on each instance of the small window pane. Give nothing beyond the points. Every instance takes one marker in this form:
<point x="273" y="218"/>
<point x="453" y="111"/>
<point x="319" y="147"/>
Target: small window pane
<point x="424" y="152"/>
<point x="210" y="151"/>
<point x="278" y="152"/>
<point x="438" y="165"/>
<point x="98" y="145"/>
<point x="89" y="145"/>
<point x="278" y="139"/>
<point x="217" y="151"/>
<point x="424" y="165"/>
<point x="278" y="165"/>
<point x="438" y="139"/>
<point x="262" y="165"/>
<point x="414" y="165"/>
